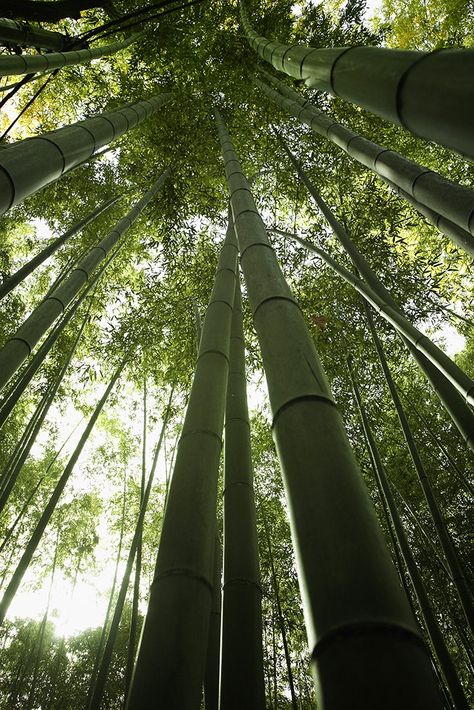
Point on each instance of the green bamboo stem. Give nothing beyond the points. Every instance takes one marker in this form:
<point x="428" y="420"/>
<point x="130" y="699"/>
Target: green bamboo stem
<point x="103" y="635"/>
<point x="445" y="661"/>
<point x="368" y="630"/>
<point x="20" y="345"/>
<point x="13" y="33"/>
<point x="15" y="65"/>
<point x="451" y="399"/>
<point x="35" y="539"/>
<point x="455" y="567"/>
<point x="29" y="165"/>
<point x="16" y="278"/>
<point x="441" y="201"/>
<point x="132" y="638"/>
<point x="213" y="654"/>
<point x="412" y="89"/>
<point x="241" y="682"/>
<point x="171" y="660"/>
<point x="20" y="515"/>
<point x="99" y="685"/>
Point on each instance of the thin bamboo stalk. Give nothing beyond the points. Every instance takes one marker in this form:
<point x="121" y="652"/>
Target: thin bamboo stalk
<point x="241" y="682"/>
<point x="35" y="539"/>
<point x="424" y="188"/>
<point x="368" y="630"/>
<point x="445" y="661"/>
<point x="20" y="345"/>
<point x="413" y="89"/>
<point x="99" y="685"/>
<point x="15" y="65"/>
<point x="213" y="654"/>
<point x="171" y="660"/>
<point x="13" y="280"/>
<point x="50" y="155"/>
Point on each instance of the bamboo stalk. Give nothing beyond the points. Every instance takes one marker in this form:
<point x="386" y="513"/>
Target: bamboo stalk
<point x="213" y="654"/>
<point x="357" y="616"/>
<point x="24" y="34"/>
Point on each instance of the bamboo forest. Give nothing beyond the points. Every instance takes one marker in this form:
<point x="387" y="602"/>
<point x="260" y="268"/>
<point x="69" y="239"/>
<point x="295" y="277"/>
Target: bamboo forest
<point x="236" y="355"/>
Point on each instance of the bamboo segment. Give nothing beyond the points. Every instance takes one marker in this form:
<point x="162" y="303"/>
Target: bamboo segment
<point x="447" y="667"/>
<point x="29" y="165"/>
<point x="242" y="684"/>
<point x="447" y="392"/>
<point x="416" y="90"/>
<point x="13" y="33"/>
<point x="20" y="345"/>
<point x="16" y="278"/>
<point x="211" y="676"/>
<point x="447" y="205"/>
<point x="170" y="669"/>
<point x="14" y="65"/>
<point x="35" y="539"/>
<point x="365" y="645"/>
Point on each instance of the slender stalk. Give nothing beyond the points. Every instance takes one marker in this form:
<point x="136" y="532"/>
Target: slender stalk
<point x="52" y="154"/>
<point x="16" y="278"/>
<point x="213" y="654"/>
<point x="138" y="562"/>
<point x="171" y="660"/>
<point x="241" y="683"/>
<point x="99" y="686"/>
<point x="35" y="539"/>
<point x="454" y="564"/>
<point x="442" y="372"/>
<point x="451" y="203"/>
<point x="20" y="345"/>
<point x="20" y="515"/>
<point x="445" y="661"/>
<point x="409" y="88"/>
<point x="369" y="630"/>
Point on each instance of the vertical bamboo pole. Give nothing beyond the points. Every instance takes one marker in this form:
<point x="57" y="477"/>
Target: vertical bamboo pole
<point x="211" y="675"/>
<point x="357" y="616"/>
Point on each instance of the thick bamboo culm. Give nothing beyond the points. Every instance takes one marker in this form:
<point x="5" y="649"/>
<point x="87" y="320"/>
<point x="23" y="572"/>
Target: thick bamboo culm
<point x="170" y="667"/>
<point x="369" y="629"/>
<point x="20" y="345"/>
<point x="15" y="65"/>
<point x="23" y="34"/>
<point x="28" y="268"/>
<point x="29" y="165"/>
<point x="241" y="680"/>
<point x="445" y="661"/>
<point x="450" y="207"/>
<point x="413" y="89"/>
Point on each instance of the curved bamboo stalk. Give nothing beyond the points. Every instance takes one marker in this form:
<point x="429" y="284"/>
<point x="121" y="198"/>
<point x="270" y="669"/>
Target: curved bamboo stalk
<point x="15" y="65"/>
<point x="412" y="89"/>
<point x="445" y="661"/>
<point x="368" y="628"/>
<point x="13" y="280"/>
<point x="99" y="685"/>
<point x="445" y="389"/>
<point x="170" y="667"/>
<point x="445" y="204"/>
<point x="20" y="345"/>
<point x="35" y="539"/>
<point x="241" y="682"/>
<point x="29" y="165"/>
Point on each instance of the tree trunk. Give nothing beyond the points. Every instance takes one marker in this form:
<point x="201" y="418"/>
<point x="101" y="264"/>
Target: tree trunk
<point x="50" y="155"/>
<point x="49" y="10"/>
<point x="16" y="278"/>
<point x="446" y="664"/>
<point x="415" y="90"/>
<point x="451" y="203"/>
<point x="241" y="683"/>
<point x="34" y="541"/>
<point x="20" y="345"/>
<point x="369" y="631"/>
<point x="171" y="660"/>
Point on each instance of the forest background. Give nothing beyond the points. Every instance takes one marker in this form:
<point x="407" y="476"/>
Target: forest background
<point x="147" y="304"/>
